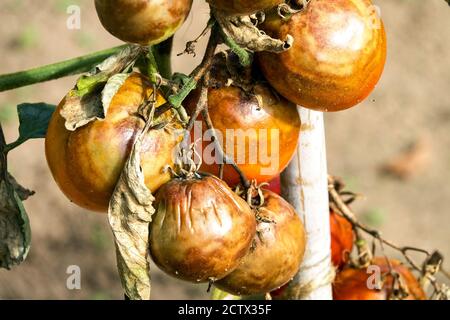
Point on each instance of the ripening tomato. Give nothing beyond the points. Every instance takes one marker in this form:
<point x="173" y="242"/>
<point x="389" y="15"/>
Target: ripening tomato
<point x="86" y="163"/>
<point x="337" y="58"/>
<point x="260" y="136"/>
<point x="145" y="22"/>
<point x="353" y="284"/>
<point x="242" y="7"/>
<point x="341" y="239"/>
<point x="277" y="251"/>
<point x="201" y="229"/>
<point x="275" y="185"/>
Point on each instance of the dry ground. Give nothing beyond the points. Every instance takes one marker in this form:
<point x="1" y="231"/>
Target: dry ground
<point x="411" y="103"/>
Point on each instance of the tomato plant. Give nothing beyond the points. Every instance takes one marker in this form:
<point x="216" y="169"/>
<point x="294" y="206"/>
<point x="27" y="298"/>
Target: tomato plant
<point x="118" y="142"/>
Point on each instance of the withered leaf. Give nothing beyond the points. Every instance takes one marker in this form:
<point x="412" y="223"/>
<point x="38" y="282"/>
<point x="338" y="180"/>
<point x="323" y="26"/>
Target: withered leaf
<point x="86" y="102"/>
<point x="129" y="214"/>
<point x="15" y="232"/>
<point x="244" y="32"/>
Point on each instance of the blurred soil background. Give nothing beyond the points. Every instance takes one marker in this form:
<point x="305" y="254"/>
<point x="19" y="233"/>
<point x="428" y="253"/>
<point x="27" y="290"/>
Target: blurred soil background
<point x="394" y="148"/>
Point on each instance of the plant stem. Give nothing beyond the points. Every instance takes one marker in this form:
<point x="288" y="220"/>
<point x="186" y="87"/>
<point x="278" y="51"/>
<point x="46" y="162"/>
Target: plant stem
<point x="163" y="53"/>
<point x="56" y="70"/>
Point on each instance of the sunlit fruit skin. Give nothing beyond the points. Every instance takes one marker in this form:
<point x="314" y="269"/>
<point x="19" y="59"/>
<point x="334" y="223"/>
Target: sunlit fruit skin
<point x="86" y="163"/>
<point x="144" y="22"/>
<point x="351" y="284"/>
<point x="201" y="229"/>
<point x="337" y="58"/>
<point x="276" y="254"/>
<point x="242" y="7"/>
<point x="230" y="108"/>
<point x="341" y="239"/>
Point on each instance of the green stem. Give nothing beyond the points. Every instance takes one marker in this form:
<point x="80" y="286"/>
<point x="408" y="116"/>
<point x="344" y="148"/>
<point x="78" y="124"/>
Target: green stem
<point x="163" y="54"/>
<point x="56" y="70"/>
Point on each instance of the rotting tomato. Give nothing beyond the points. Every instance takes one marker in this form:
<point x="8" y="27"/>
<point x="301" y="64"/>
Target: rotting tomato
<point x="145" y="22"/>
<point x="341" y="239"/>
<point x="242" y="7"/>
<point x="86" y="163"/>
<point x="337" y="58"/>
<point x="261" y="135"/>
<point x="201" y="229"/>
<point x="277" y="250"/>
<point x="352" y="283"/>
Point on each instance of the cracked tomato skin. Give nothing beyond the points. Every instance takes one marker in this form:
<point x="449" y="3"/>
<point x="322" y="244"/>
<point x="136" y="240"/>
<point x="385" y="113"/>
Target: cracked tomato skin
<point x="144" y="22"/>
<point x="351" y="284"/>
<point x="86" y="163"/>
<point x="337" y="58"/>
<point x="243" y="7"/>
<point x="230" y="108"/>
<point x="277" y="253"/>
<point x="341" y="239"/>
<point x="201" y="229"/>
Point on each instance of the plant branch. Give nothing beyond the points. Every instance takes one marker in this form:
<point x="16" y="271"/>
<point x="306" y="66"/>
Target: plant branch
<point x="54" y="71"/>
<point x="223" y="156"/>
<point x="163" y="54"/>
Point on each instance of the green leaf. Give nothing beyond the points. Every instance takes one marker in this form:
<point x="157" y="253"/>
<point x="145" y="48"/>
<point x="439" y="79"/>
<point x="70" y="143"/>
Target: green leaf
<point x="34" y="119"/>
<point x="218" y="294"/>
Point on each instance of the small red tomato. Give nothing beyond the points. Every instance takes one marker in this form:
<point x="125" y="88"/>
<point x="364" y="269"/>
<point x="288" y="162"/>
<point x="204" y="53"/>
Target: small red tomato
<point x="354" y="284"/>
<point x="341" y="239"/>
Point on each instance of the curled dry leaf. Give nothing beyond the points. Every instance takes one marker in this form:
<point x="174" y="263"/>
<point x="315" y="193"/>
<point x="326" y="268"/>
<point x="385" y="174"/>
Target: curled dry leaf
<point x="15" y="232"/>
<point x="90" y="98"/>
<point x="244" y="32"/>
<point x="129" y="214"/>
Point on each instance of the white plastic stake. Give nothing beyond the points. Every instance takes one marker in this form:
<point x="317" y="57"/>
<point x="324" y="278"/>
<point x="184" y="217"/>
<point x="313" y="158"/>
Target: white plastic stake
<point x="305" y="186"/>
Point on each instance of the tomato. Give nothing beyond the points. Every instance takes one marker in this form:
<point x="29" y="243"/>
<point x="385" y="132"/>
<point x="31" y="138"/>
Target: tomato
<point x="337" y="58"/>
<point x="261" y="138"/>
<point x="277" y="252"/>
<point x="201" y="229"/>
<point x="144" y="22"/>
<point x="242" y="7"/>
<point x="341" y="239"/>
<point x="352" y="284"/>
<point x="275" y="185"/>
<point x="86" y="163"/>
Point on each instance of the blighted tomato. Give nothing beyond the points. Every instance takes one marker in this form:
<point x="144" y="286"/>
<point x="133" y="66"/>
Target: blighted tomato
<point x="341" y="239"/>
<point x="337" y="58"/>
<point x="201" y="229"/>
<point x="242" y="7"/>
<point x="276" y="254"/>
<point x="144" y="22"/>
<point x="354" y="284"/>
<point x="86" y="163"/>
<point x="259" y="130"/>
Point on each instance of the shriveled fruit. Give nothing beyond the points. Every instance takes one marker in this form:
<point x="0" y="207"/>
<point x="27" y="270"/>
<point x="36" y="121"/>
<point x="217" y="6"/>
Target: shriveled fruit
<point x="242" y="7"/>
<point x="261" y="136"/>
<point x="337" y="58"/>
<point x="276" y="254"/>
<point x="353" y="284"/>
<point x="201" y="229"/>
<point x="144" y="22"/>
<point x="86" y="163"/>
<point x="341" y="239"/>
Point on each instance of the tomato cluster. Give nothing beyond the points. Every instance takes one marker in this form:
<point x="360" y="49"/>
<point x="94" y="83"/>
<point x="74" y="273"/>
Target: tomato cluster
<point x="250" y="243"/>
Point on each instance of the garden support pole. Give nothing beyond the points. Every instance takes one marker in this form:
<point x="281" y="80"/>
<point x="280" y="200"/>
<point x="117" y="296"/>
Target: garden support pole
<point x="305" y="186"/>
